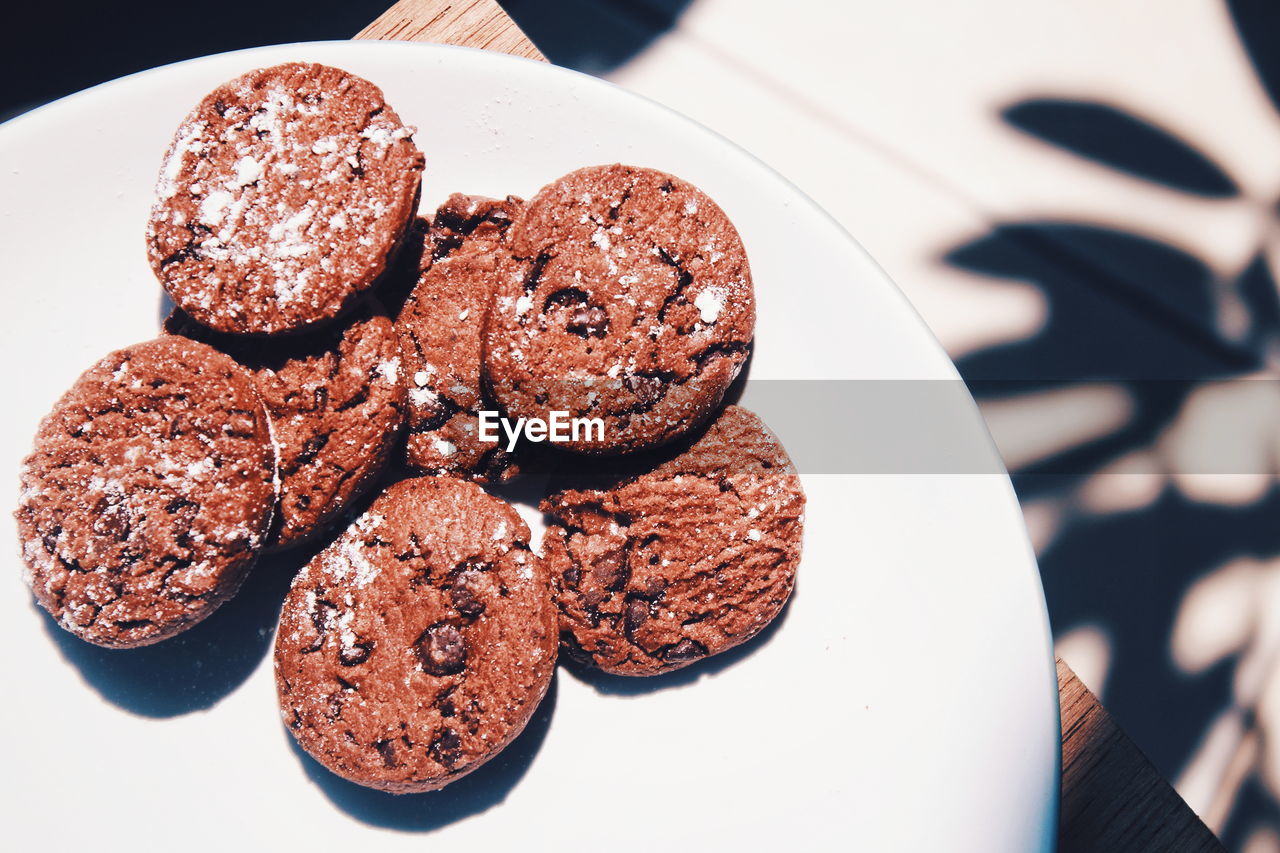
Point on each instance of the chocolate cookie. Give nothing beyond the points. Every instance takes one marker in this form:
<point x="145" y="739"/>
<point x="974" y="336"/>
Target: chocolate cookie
<point x="336" y="400"/>
<point x="682" y="562"/>
<point x="635" y="306"/>
<point x="148" y="493"/>
<point x="440" y="330"/>
<point x="417" y="646"/>
<point x="281" y="197"/>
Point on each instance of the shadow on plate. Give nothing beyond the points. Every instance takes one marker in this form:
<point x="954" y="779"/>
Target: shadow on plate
<point x="196" y="669"/>
<point x="627" y="685"/>
<point x="471" y="795"/>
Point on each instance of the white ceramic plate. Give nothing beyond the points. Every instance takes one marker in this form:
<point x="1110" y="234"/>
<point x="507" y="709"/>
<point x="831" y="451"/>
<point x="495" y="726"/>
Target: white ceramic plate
<point x="906" y="700"/>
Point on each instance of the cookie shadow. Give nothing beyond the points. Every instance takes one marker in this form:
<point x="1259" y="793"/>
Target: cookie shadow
<point x="165" y="307"/>
<point x="473" y="794"/>
<point x="196" y="669"/>
<point x="630" y="685"/>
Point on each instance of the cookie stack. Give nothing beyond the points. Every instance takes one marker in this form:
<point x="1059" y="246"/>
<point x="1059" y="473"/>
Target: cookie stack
<point x="322" y="331"/>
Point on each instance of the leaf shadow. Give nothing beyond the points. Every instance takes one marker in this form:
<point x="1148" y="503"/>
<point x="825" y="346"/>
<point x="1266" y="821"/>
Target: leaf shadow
<point x="1117" y="138"/>
<point x="1128" y="572"/>
<point x="1129" y="310"/>
<point x="595" y="36"/>
<point x="1123" y="309"/>
<point x="1257" y="25"/>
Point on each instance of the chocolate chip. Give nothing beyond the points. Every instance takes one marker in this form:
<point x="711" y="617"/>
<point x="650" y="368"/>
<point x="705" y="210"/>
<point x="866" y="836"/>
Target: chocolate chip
<point x="111" y="519"/>
<point x="387" y="750"/>
<point x="465" y="600"/>
<point x="534" y="275"/>
<point x="654" y="587"/>
<point x="322" y="616"/>
<point x="309" y="450"/>
<point x="647" y="389"/>
<point x="610" y="569"/>
<point x="636" y="614"/>
<point x="354" y="655"/>
<point x="444" y="701"/>
<point x="685" y="650"/>
<point x="567" y="296"/>
<point x="446" y="747"/>
<point x="499" y="217"/>
<point x="442" y="649"/>
<point x="572" y="575"/>
<point x="588" y="322"/>
<point x="177" y="505"/>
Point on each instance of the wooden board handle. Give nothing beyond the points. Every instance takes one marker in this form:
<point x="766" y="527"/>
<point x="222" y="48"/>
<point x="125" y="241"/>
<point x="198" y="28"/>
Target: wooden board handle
<point x="474" y="23"/>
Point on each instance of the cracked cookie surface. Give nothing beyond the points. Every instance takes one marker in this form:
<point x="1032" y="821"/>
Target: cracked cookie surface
<point x="282" y="196"/>
<point x="441" y="327"/>
<point x="634" y="305"/>
<point x="336" y="401"/>
<point x="419" y="644"/>
<point x="682" y="562"/>
<point x="148" y="493"/>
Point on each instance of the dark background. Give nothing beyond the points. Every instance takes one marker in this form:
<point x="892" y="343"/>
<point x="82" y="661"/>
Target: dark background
<point x="47" y="52"/>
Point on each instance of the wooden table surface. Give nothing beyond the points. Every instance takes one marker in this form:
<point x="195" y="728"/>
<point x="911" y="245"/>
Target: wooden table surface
<point x="1112" y="797"/>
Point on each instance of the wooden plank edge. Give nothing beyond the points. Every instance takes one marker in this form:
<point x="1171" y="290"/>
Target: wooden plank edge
<point x="1112" y="796"/>
<point x="474" y="23"/>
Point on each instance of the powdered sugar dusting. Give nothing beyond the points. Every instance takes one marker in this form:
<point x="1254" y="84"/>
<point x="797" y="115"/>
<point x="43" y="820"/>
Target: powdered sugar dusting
<point x="214" y="207"/>
<point x="347" y="562"/>
<point x="422" y="396"/>
<point x="236" y="173"/>
<point x="390" y="369"/>
<point x="189" y="143"/>
<point x="248" y="171"/>
<point x="710" y="303"/>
